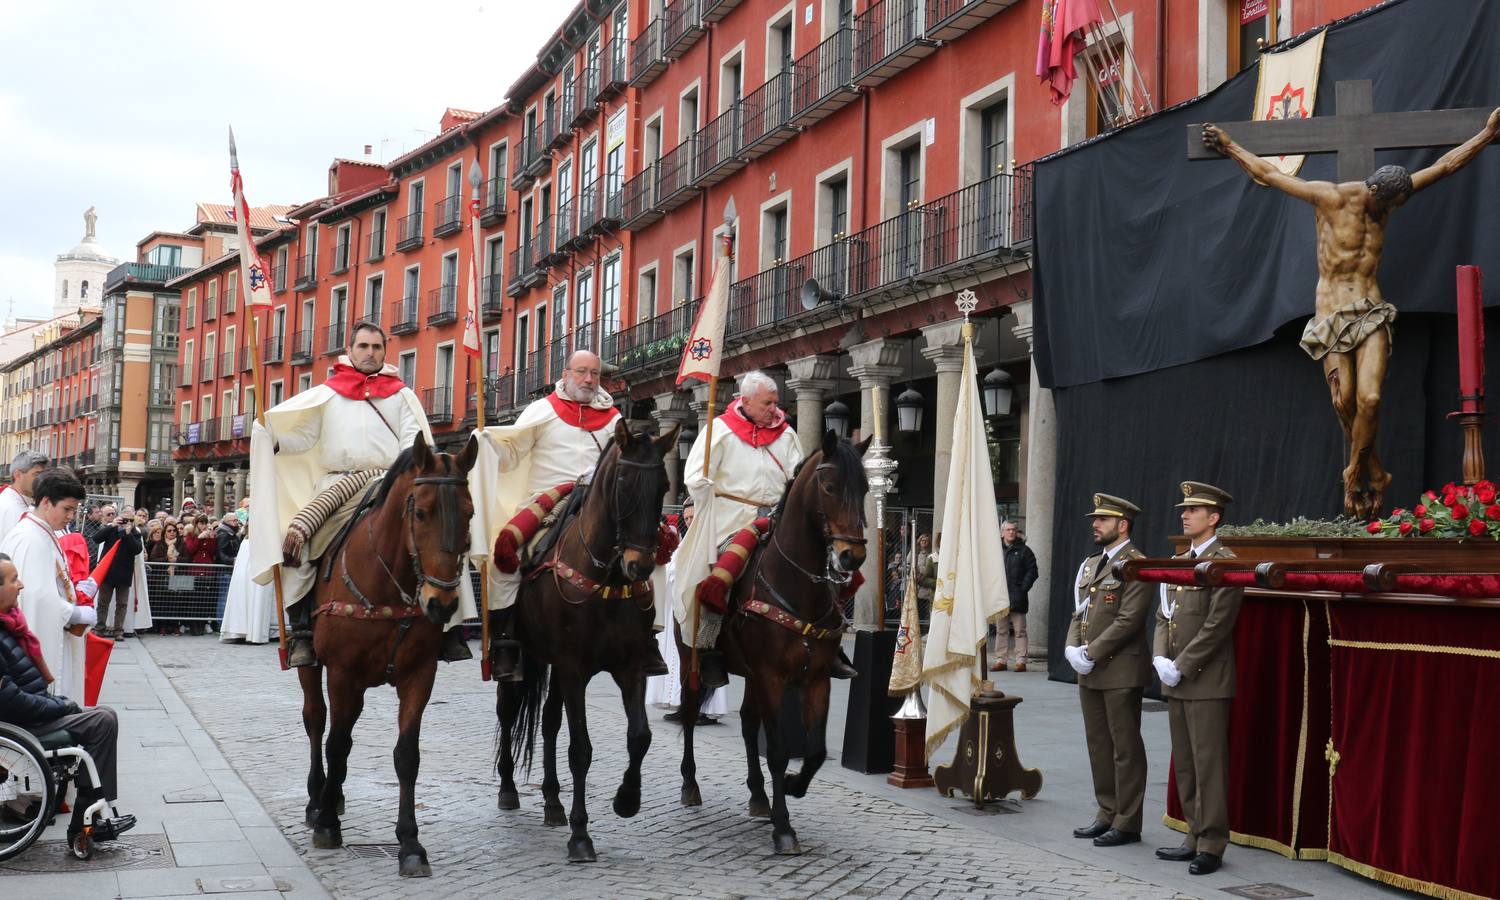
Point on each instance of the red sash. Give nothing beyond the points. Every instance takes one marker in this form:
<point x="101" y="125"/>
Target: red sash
<point x="581" y="415"/>
<point x="350" y="382"/>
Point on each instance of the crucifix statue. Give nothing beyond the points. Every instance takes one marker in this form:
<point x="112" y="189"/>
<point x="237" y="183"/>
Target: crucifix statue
<point x="1350" y="332"/>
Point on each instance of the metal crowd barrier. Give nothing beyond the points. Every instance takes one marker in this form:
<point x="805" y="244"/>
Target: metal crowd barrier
<point x="186" y="592"/>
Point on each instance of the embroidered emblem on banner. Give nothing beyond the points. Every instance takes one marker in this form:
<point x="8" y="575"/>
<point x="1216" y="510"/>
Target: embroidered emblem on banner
<point x="1288" y="89"/>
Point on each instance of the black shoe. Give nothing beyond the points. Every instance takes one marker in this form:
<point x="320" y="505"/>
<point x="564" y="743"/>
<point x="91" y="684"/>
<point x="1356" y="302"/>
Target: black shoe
<point x="505" y="660"/>
<point x="706" y="720"/>
<point x="1091" y="831"/>
<point x="653" y="664"/>
<point x="455" y="648"/>
<point x="1204" y="864"/>
<point x="299" y="651"/>
<point x="673" y="716"/>
<point x="109" y="829"/>
<point x="711" y="671"/>
<point x="1176" y="854"/>
<point x="1115" y="838"/>
<point x="842" y="669"/>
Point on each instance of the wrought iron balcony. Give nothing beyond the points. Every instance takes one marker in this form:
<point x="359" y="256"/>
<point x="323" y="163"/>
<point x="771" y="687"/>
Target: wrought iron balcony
<point x="949" y="19"/>
<point x="682" y="23"/>
<point x="823" y="78"/>
<point x="716" y="10"/>
<point x="537" y="160"/>
<point x="302" y="347"/>
<point x="675" y="174"/>
<point x="614" y="72"/>
<point x="492" y="209"/>
<point x="543" y="254"/>
<point x="375" y="246"/>
<point x="534" y="376"/>
<point x="718" y="148"/>
<point x="646" y="61"/>
<point x="447" y="216"/>
<point x="275" y="348"/>
<point x="335" y="338"/>
<point x="491" y="297"/>
<point x="142" y="273"/>
<point x="499" y="398"/>
<point x="278" y="278"/>
<point x="404" y="315"/>
<point x="438" y="403"/>
<point x="210" y="308"/>
<point x="247" y="360"/>
<point x="585" y="96"/>
<point x="566" y="113"/>
<point x="206" y="371"/>
<point x="409" y="231"/>
<point x="226" y="364"/>
<point x="639" y="207"/>
<point x="307" y="276"/>
<point x="765" y="117"/>
<point x="564" y="230"/>
<point x="442" y="304"/>
<point x="339" y="263"/>
<point x="654" y="343"/>
<point x="888" y="39"/>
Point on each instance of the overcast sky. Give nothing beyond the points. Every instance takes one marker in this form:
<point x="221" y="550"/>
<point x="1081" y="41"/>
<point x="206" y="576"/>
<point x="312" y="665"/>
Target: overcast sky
<point x="125" y="106"/>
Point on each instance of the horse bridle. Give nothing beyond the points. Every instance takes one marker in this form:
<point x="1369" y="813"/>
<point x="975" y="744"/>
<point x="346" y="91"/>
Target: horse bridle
<point x="830" y="575"/>
<point x="448" y="511"/>
<point x="618" y="517"/>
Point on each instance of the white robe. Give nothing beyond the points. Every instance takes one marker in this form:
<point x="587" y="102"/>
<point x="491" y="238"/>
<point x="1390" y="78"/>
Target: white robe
<point x="666" y="690"/>
<point x="138" y="613"/>
<point x="12" y="507"/>
<point x="47" y="602"/>
<point x="248" y="610"/>
<point x="755" y="473"/>
<point x="517" y="462"/>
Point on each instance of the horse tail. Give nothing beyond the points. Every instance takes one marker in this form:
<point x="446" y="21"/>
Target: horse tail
<point x="533" y="689"/>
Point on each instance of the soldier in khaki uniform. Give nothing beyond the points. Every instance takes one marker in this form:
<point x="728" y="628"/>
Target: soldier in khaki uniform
<point x="1194" y="656"/>
<point x="1108" y="648"/>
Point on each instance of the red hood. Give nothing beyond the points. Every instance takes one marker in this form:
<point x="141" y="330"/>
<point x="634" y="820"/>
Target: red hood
<point x="350" y="382"/>
<point x="581" y="415"/>
<point x="749" y="432"/>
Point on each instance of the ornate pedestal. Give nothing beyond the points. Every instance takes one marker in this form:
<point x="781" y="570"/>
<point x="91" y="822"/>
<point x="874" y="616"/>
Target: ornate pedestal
<point x="986" y="766"/>
<point x="911" y="754"/>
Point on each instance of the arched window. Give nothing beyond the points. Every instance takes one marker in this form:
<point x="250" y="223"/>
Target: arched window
<point x="84" y="293"/>
<point x="65" y="288"/>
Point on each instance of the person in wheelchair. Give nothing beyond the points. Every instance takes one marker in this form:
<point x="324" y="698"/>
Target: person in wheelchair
<point x="25" y="703"/>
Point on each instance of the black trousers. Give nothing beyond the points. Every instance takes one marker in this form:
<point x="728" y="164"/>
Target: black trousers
<point x="97" y="730"/>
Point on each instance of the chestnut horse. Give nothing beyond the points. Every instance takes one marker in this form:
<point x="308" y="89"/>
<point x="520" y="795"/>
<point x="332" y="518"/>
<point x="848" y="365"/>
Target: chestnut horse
<point x="785" y="625"/>
<point x="380" y="620"/>
<point x="588" y="609"/>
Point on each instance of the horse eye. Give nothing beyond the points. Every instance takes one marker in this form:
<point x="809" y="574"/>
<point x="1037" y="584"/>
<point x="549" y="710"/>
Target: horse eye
<point x="421" y="516"/>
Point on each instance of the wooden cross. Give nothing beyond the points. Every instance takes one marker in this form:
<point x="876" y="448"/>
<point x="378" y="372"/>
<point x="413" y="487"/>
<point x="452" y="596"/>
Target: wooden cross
<point x="1354" y="132"/>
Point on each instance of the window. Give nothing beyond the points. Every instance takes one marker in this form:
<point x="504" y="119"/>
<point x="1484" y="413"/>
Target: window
<point x="583" y="301"/>
<point x="192" y="308"/>
<point x="277" y="393"/>
<point x="227" y="370"/>
<point x="341" y="248"/>
<point x="83" y="292"/>
<point x="186" y="415"/>
<point x="249" y="407"/>
<point x="304" y="382"/>
<point x="652" y="144"/>
<point x="165" y="255"/>
<point x="774" y="222"/>
<point x="210" y="350"/>
<point x="779" y="51"/>
<point x="682" y="276"/>
<point x="559" y="310"/>
<point x="188" y="361"/>
<point x="442" y="376"/>
<point x="415" y="196"/>
<point x="226" y="404"/>
<point x="911" y="176"/>
<point x="407" y="365"/>
<point x="374" y="298"/>
<point x="646" y="294"/>
<point x="687" y="114"/>
<point x="377" y="234"/>
<point x="498" y="163"/>
<point x="565" y="188"/>
<point x="589" y="169"/>
<point x="614" y="174"/>
<point x="280" y="269"/>
<point x="278" y="325"/>
<point x="448" y="290"/>
<point x="338" y="317"/>
<point x="492" y="352"/>
<point x="211" y="301"/>
<point x="609" y="297"/>
<point x="310" y="248"/>
<point x="65" y="288"/>
<point x="231" y="292"/>
<point x="1251" y="24"/>
<point x="206" y="407"/>
<point x="412" y="289"/>
<point x="731" y="80"/>
<point x="992" y="126"/>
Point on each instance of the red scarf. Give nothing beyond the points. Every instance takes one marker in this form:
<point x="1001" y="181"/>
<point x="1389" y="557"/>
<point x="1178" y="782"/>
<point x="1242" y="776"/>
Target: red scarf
<point x="755" y="435"/>
<point x="581" y="415"/>
<point x="350" y="382"/>
<point x="15" y="622"/>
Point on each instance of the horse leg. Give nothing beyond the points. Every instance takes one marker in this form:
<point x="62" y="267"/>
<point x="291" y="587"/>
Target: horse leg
<point x="413" y="692"/>
<point x="314" y="718"/>
<point x="346" y="700"/>
<point x="690" y="699"/>
<point x="507" y="708"/>
<point x="580" y="757"/>
<point x="815" y="720"/>
<point x="637" y="741"/>
<point x="768" y="698"/>
<point x="553" y="813"/>
<point x="760" y="806"/>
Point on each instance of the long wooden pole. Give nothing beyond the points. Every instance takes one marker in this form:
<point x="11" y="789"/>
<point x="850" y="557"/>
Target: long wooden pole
<point x="259" y="374"/>
<point x="479" y="363"/>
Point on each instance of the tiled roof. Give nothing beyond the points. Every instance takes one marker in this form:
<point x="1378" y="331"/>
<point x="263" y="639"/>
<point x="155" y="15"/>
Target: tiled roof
<point x="261" y="217"/>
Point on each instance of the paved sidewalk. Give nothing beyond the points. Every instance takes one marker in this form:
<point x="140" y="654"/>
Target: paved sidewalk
<point x="200" y="831"/>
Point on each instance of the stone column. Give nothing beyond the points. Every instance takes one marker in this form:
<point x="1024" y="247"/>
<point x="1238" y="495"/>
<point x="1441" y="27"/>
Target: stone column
<point x="672" y="410"/>
<point x="945" y="348"/>
<point x="810" y="380"/>
<point x="216" y="492"/>
<point x="700" y="401"/>
<point x="1039" y="449"/>
<point x="179" y="487"/>
<point x="241" y="484"/>
<point x="876" y="364"/>
<point x="200" y="495"/>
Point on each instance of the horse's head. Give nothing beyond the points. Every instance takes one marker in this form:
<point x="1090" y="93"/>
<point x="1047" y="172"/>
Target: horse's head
<point x="635" y="484"/>
<point x="437" y="513"/>
<point x="840" y="485"/>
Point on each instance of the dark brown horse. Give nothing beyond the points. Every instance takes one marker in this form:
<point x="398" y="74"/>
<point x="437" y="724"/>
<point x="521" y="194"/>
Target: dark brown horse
<point x="380" y="616"/>
<point x="785" y="624"/>
<point x="590" y="609"/>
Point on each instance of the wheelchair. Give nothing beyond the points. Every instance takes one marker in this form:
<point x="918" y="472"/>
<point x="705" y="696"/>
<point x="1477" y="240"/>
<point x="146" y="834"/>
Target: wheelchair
<point x="35" y="771"/>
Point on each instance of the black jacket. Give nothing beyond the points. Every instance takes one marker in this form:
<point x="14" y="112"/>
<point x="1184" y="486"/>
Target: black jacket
<point x="228" y="546"/>
<point x="90" y="531"/>
<point x="1020" y="574"/>
<point x="122" y="569"/>
<point x="23" y="692"/>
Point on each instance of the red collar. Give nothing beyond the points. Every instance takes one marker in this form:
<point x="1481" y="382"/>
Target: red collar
<point x="749" y="432"/>
<point x="349" y="382"/>
<point x="581" y="415"/>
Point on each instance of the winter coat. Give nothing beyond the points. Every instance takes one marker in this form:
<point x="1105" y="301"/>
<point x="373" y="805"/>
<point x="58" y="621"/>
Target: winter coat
<point x="23" y="691"/>
<point x="1020" y="574"/>
<point x="122" y="569"/>
<point x="202" y="549"/>
<point x="228" y="545"/>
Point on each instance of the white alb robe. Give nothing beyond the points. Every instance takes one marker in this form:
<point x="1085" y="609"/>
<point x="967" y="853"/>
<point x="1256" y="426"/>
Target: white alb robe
<point x="248" y="608"/>
<point x="759" y="474"/>
<point x="666" y="690"/>
<point x="517" y="462"/>
<point x="12" y="507"/>
<point x="47" y="601"/>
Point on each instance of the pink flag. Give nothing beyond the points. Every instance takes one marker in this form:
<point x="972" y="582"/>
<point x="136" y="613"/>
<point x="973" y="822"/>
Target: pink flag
<point x="471" y="313"/>
<point x="1062" y="38"/>
<point x="252" y="267"/>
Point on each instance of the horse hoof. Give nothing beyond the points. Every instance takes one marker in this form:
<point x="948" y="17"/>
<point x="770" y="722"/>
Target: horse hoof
<point x="310" y="817"/>
<point x="795" y="785"/>
<point x="760" y="807"/>
<point x="327" y="838"/>
<point x="691" y="797"/>
<point x="786" y="844"/>
<point x="581" y="849"/>
<point x="509" y="800"/>
<point x="627" y="804"/>
<point x="415" y="866"/>
<point x="341" y="806"/>
<point x="554" y="816"/>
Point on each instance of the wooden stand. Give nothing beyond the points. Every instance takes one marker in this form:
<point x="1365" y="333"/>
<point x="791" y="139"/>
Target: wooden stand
<point x="1473" y="447"/>
<point x="986" y="766"/>
<point x="911" y="754"/>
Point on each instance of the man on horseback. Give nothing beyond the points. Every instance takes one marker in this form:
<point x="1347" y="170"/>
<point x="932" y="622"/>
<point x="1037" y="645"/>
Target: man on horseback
<point x="315" y="455"/>
<point x="556" y="440"/>
<point x="754" y="455"/>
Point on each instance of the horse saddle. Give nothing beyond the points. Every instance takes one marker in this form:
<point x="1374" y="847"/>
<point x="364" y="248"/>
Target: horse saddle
<point x="534" y="552"/>
<point x="332" y="552"/>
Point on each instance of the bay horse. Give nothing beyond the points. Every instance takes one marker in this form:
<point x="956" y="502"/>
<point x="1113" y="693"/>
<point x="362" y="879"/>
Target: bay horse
<point x="588" y="609"/>
<point x="381" y="621"/>
<point x="785" y="625"/>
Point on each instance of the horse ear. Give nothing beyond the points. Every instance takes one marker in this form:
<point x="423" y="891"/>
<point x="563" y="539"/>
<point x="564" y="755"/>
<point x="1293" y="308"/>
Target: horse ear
<point x="470" y="454"/>
<point x="863" y="445"/>
<point x="664" y="443"/>
<point x="622" y="434"/>
<point x="421" y="454"/>
<point x="830" y="442"/>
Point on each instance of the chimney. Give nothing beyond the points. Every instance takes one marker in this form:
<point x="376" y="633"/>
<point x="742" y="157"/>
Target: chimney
<point x="369" y="151"/>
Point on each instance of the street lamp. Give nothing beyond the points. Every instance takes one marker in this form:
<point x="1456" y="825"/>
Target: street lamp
<point x="998" y="388"/>
<point x="836" y="418"/>
<point x="909" y="411"/>
<point x="685" y="439"/>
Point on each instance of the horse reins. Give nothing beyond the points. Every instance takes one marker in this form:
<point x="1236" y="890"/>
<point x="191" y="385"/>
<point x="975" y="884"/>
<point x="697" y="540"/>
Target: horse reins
<point x="562" y="572"/>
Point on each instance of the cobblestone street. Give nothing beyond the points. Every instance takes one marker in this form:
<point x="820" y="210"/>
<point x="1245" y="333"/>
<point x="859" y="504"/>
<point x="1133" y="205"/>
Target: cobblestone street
<point x="856" y="843"/>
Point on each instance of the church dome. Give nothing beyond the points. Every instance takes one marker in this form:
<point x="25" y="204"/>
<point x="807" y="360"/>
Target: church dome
<point x="89" y="249"/>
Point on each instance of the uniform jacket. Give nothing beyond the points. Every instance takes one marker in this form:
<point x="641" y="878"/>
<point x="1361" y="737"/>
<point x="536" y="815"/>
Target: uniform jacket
<point x="1112" y="624"/>
<point x="1199" y="637"/>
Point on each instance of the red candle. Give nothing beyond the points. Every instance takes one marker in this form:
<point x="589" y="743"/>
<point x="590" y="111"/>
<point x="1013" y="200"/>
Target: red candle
<point x="1470" y="339"/>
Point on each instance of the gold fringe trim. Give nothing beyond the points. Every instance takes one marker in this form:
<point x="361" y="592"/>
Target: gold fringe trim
<point x="1235" y="837"/>
<point x="1405" y="882"/>
<point x="1302" y="733"/>
<point x="1417" y="648"/>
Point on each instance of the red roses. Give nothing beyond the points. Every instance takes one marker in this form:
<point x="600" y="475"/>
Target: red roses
<point x="1454" y="510"/>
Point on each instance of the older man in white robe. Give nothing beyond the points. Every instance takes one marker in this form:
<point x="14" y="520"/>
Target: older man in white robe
<point x="15" y="498"/>
<point x="49" y="601"/>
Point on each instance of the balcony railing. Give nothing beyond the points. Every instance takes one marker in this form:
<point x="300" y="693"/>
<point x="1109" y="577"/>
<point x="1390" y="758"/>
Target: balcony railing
<point x="307" y="276"/>
<point x="658" y="341"/>
<point x="522" y="272"/>
<point x="675" y="174"/>
<point x="888" y="38"/>
<point x="715" y="10"/>
<point x="567" y="115"/>
<point x="590" y="205"/>
<point x="226" y="364"/>
<point x="681" y="24"/>
<point x="438" y="402"/>
<point x="442" y="304"/>
<point x="765" y="117"/>
<point x="142" y="272"/>
<point x="278" y="278"/>
<point x="535" y="373"/>
<point x="210" y="308"/>
<point x="302" y="347"/>
<point x="639" y="199"/>
<point x="491" y="297"/>
<point x="447" y="216"/>
<point x="404" y="315"/>
<point x="499" y="398"/>
<point x="340" y="261"/>
<point x="949" y="19"/>
<point x="564" y="230"/>
<point x="531" y="149"/>
<point x="409" y="231"/>
<point x="274" y="349"/>
<point x="646" y="61"/>
<point x="247" y="360"/>
<point x="823" y="78"/>
<point x="492" y="212"/>
<point x="375" y="246"/>
<point x="335" y="338"/>
<point x="614" y="71"/>
<point x="543" y="254"/>
<point x="717" y="157"/>
<point x="585" y="93"/>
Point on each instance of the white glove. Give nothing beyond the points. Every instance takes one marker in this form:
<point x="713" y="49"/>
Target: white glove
<point x="1166" y="670"/>
<point x="83" y="615"/>
<point x="1079" y="660"/>
<point x="88" y="587"/>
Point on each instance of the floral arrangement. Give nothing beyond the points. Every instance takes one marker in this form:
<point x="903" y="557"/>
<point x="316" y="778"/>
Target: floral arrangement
<point x="1455" y="511"/>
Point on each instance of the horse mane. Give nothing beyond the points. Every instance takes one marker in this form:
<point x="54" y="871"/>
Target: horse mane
<point x="405" y="460"/>
<point x="850" y="472"/>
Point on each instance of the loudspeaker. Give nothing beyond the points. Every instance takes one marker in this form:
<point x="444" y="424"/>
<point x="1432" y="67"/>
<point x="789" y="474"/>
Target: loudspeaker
<point x="812" y="294"/>
<point x="869" y="735"/>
